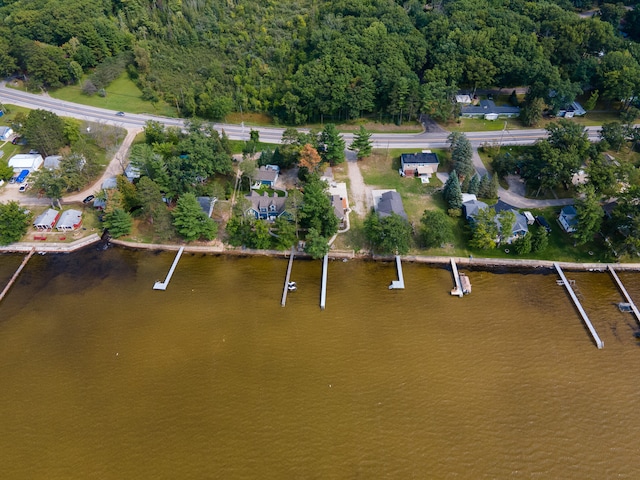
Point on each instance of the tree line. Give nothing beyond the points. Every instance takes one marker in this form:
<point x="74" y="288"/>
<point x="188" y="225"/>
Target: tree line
<point x="307" y="61"/>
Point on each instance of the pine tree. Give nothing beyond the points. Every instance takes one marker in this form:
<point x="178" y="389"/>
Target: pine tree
<point x="454" y="193"/>
<point x="484" y="188"/>
<point x="474" y="184"/>
<point x="361" y="143"/>
<point x="493" y="187"/>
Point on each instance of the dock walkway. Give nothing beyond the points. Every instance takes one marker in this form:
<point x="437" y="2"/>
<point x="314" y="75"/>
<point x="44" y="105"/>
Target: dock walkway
<point x="287" y="278"/>
<point x="163" y="285"/>
<point x="585" y="318"/>
<point x="634" y="309"/>
<point x="323" y="290"/>
<point x="15" y="275"/>
<point x="398" y="284"/>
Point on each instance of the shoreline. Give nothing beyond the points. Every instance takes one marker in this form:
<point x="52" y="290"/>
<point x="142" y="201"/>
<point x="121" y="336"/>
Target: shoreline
<point x="468" y="262"/>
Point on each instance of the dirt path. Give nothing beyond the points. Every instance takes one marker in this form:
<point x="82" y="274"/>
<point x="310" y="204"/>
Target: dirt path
<point x="115" y="167"/>
<point x="360" y="192"/>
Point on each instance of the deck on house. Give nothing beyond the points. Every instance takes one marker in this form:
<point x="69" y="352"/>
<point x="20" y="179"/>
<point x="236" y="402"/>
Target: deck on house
<point x="567" y="284"/>
<point x="163" y="285"/>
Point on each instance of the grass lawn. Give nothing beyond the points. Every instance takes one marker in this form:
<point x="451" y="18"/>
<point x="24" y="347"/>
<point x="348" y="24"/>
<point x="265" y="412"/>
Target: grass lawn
<point x="122" y="95"/>
<point x="238" y="145"/>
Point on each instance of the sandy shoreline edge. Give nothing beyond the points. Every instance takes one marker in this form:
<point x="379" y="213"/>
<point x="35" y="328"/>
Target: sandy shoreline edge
<point x="488" y="263"/>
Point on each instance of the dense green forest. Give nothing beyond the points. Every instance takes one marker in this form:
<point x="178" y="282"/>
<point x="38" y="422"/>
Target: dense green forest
<point x="306" y="60"/>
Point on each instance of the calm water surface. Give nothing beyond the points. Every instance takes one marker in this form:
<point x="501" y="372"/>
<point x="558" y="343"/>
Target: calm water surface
<point x="102" y="377"/>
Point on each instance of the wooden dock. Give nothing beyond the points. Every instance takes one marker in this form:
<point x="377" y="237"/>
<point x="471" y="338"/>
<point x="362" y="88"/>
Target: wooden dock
<point x="634" y="309"/>
<point x="462" y="282"/>
<point x="323" y="290"/>
<point x="15" y="275"/>
<point x="287" y="277"/>
<point x="398" y="284"/>
<point x="585" y="318"/>
<point x="163" y="285"/>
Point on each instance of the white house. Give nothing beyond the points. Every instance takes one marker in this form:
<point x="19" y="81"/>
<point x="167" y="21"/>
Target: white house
<point x="422" y="164"/>
<point x="5" y="132"/>
<point x="26" y="161"/>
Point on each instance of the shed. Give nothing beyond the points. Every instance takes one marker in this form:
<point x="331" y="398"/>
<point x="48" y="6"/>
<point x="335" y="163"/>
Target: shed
<point x="47" y="219"/>
<point x="131" y="172"/>
<point x="5" y="132"/>
<point x="530" y="218"/>
<point x="52" y="162"/>
<point x="69" y="220"/>
<point x="26" y="161"/>
<point x="110" y="183"/>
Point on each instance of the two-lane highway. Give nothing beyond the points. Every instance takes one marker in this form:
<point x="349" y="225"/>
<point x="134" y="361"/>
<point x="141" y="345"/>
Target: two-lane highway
<point x="267" y="134"/>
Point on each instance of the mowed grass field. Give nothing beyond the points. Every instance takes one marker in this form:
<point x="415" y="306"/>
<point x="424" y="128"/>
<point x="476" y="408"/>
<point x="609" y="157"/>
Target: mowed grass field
<point x="122" y="95"/>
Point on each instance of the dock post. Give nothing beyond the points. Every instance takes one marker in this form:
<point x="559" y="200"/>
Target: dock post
<point x="163" y="285"/>
<point x="585" y="318"/>
<point x="323" y="291"/>
<point x="15" y="275"/>
<point x="625" y="293"/>
<point x="285" y="290"/>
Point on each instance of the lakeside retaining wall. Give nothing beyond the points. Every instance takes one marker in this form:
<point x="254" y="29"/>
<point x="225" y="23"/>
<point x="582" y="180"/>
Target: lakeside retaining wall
<point x="484" y="263"/>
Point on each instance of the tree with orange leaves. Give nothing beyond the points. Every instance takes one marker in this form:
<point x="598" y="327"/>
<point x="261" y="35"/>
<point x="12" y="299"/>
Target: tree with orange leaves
<point x="309" y="158"/>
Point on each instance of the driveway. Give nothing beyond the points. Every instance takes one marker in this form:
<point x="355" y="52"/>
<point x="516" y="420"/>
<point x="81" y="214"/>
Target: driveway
<point x="360" y="192"/>
<point x="515" y="195"/>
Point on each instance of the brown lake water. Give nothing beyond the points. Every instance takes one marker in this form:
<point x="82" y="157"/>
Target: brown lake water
<point x="102" y="377"/>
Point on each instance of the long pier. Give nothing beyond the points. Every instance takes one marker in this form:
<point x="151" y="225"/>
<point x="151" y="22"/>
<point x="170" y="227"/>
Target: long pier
<point x="323" y="291"/>
<point x="634" y="309"/>
<point x="398" y="284"/>
<point x="585" y="318"/>
<point x="287" y="277"/>
<point x="15" y="275"/>
<point x="163" y="285"/>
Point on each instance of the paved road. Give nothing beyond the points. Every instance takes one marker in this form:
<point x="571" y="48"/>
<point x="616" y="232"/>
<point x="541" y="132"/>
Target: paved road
<point x="135" y="122"/>
<point x="267" y="134"/>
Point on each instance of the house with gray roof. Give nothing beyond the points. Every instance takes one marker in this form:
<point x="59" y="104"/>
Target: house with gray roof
<point x="568" y="219"/>
<point x="110" y="183"/>
<point x="390" y="202"/>
<point x="206" y="204"/>
<point x="519" y="229"/>
<point x="69" y="220"/>
<point x="267" y="175"/>
<point x="47" y="219"/>
<point x="265" y="207"/>
<point x="471" y="208"/>
<point x="488" y="110"/>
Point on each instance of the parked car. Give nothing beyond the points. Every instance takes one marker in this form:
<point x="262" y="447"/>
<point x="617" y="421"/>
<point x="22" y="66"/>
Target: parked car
<point x="543" y="223"/>
<point x="23" y="187"/>
<point x="120" y="114"/>
<point x="13" y="180"/>
<point x="22" y="176"/>
<point x="89" y="199"/>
